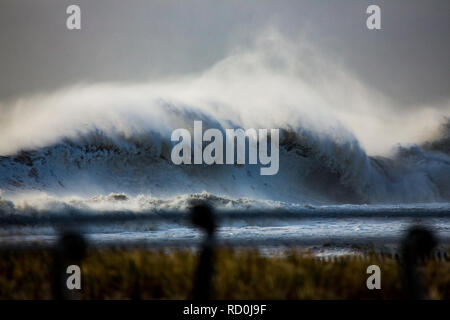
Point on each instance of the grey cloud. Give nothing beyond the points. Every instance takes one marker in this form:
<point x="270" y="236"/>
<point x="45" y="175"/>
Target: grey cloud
<point x="137" y="40"/>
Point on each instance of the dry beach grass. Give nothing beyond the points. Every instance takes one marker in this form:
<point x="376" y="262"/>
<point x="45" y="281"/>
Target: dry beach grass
<point x="239" y="274"/>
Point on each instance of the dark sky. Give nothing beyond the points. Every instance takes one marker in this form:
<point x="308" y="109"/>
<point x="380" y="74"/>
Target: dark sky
<point x="128" y="41"/>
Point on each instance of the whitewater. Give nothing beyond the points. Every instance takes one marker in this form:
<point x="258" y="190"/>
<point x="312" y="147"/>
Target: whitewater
<point x="107" y="147"/>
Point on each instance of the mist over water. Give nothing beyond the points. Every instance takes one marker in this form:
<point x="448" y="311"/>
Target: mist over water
<point x="94" y="139"/>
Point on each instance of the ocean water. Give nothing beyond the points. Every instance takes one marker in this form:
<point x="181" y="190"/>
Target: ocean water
<point x="107" y="147"/>
<point x="323" y="231"/>
<point x="103" y="172"/>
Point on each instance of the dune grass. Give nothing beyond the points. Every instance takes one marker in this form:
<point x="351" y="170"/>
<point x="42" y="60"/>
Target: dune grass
<point x="239" y="274"/>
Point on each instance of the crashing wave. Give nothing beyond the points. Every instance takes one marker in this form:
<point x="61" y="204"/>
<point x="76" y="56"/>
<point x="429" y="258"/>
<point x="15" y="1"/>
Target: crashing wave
<point x="115" y="138"/>
<point x="313" y="168"/>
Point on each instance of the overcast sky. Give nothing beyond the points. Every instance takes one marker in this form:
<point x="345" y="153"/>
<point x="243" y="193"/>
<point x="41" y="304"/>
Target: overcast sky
<point x="132" y="41"/>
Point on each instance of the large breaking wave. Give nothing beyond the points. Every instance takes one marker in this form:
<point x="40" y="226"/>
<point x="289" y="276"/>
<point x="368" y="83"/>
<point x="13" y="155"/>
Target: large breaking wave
<point x="312" y="169"/>
<point x="112" y="138"/>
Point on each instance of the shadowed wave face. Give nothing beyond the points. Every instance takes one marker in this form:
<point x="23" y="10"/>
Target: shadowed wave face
<point x="312" y="169"/>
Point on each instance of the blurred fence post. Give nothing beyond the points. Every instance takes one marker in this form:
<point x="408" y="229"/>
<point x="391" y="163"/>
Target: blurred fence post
<point x="69" y="250"/>
<point x="417" y="246"/>
<point x="202" y="217"/>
